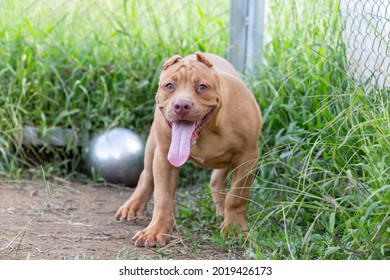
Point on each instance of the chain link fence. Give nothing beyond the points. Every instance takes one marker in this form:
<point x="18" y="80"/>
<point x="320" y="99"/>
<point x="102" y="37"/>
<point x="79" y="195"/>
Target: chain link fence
<point x="69" y="33"/>
<point x="366" y="30"/>
<point x="99" y="25"/>
<point x="82" y="20"/>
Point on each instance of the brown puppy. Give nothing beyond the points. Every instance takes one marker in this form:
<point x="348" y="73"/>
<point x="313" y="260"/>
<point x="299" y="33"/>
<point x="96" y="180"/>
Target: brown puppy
<point x="204" y="113"/>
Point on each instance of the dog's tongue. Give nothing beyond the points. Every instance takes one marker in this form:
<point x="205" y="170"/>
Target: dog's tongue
<point x="179" y="151"/>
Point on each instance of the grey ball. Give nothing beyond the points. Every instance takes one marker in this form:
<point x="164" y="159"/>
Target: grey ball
<point x="117" y="156"/>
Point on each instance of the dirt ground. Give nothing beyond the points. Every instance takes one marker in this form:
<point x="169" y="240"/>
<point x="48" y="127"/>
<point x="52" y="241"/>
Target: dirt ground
<point x="59" y="220"/>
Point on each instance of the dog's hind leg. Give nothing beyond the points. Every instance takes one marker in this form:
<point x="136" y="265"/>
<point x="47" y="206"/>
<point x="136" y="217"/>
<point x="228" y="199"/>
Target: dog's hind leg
<point x="243" y="173"/>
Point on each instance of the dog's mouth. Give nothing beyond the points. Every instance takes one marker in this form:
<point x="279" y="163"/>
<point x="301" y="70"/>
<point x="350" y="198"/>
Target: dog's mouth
<point x="184" y="135"/>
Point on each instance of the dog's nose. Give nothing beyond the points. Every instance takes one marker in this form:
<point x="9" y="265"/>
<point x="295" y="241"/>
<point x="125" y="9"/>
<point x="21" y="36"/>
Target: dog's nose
<point x="182" y="107"/>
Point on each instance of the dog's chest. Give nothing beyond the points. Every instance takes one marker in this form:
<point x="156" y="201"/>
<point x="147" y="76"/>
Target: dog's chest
<point x="210" y="156"/>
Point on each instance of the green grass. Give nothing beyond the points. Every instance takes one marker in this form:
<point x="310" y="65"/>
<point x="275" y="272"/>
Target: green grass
<point x="90" y="66"/>
<point x="322" y="187"/>
<point x="322" y="190"/>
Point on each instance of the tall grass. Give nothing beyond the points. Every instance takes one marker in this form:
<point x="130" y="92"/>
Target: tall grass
<point x="89" y="66"/>
<point x="322" y="188"/>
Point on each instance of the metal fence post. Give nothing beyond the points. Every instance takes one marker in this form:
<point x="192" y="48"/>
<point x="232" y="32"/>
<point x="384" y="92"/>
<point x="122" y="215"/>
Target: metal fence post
<point x="246" y="33"/>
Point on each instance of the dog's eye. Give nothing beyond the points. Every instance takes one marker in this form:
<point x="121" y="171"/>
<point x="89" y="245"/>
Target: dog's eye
<point x="170" y="87"/>
<point x="201" y="88"/>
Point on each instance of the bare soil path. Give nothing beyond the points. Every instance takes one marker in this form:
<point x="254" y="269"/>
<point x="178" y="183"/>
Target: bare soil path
<point x="68" y="220"/>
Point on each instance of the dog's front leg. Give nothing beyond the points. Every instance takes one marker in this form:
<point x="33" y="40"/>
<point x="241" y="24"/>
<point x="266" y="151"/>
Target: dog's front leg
<point x="134" y="207"/>
<point x="165" y="180"/>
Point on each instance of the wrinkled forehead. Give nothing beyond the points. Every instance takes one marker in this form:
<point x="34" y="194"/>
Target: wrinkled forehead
<point x="189" y="70"/>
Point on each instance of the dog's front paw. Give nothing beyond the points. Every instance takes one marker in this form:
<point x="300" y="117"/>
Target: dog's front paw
<point x="234" y="226"/>
<point x="220" y="209"/>
<point x="152" y="236"/>
<point x="131" y="210"/>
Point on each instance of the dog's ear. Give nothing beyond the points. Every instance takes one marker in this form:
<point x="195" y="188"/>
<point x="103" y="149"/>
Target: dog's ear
<point x="171" y="61"/>
<point x="202" y="58"/>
